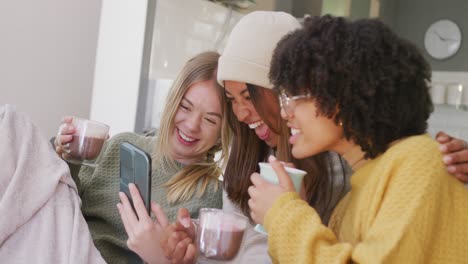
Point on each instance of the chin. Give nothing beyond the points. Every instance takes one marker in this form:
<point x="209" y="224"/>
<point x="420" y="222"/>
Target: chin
<point x="298" y="154"/>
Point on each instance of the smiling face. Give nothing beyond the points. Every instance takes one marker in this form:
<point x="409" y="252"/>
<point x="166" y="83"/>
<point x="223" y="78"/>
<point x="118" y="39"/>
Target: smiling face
<point x="197" y="122"/>
<point x="238" y="96"/>
<point x="312" y="133"/>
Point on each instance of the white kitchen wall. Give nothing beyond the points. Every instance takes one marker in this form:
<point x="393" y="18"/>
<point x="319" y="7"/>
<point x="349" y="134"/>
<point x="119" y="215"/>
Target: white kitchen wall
<point x="47" y="57"/>
<point x="179" y="34"/>
<point x="447" y="115"/>
<point x="118" y="63"/>
<point x="182" y="28"/>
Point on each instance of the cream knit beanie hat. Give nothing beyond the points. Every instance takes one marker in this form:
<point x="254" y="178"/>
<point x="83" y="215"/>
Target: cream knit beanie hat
<point x="247" y="55"/>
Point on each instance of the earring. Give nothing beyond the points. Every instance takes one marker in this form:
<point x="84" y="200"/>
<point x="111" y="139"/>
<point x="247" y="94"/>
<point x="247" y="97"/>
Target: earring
<point x="341" y="124"/>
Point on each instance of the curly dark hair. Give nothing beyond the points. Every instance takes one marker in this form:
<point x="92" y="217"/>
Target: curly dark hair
<point x="360" y="74"/>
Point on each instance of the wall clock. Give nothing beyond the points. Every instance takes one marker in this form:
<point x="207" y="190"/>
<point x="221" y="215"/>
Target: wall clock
<point x="443" y="39"/>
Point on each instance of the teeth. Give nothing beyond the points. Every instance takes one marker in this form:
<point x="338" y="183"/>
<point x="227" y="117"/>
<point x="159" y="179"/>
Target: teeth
<point x="295" y="131"/>
<point x="255" y="125"/>
<point x="186" y="138"/>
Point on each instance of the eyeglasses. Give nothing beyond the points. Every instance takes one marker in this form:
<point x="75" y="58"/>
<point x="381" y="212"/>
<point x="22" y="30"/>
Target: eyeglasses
<point x="288" y="102"/>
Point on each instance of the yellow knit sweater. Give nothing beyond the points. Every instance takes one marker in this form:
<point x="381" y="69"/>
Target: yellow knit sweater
<point x="403" y="207"/>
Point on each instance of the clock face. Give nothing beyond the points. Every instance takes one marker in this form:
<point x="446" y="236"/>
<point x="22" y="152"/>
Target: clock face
<point x="443" y="39"/>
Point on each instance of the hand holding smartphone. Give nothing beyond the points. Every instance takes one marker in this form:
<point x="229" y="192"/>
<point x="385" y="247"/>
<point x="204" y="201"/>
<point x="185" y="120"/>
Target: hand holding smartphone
<point x="135" y="167"/>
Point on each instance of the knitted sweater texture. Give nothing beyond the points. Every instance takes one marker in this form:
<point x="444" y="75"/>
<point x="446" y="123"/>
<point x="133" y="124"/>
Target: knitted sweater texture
<point x="99" y="188"/>
<point x="403" y="207"/>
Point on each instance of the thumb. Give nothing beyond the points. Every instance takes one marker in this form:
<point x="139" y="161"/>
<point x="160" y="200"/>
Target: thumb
<point x="185" y="222"/>
<point x="283" y="177"/>
<point x="67" y="119"/>
<point x="288" y="164"/>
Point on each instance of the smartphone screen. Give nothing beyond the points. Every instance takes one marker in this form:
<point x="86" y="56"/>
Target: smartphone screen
<point x="135" y="167"/>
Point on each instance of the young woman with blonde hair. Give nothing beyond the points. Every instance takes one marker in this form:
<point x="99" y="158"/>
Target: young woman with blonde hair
<point x="193" y="128"/>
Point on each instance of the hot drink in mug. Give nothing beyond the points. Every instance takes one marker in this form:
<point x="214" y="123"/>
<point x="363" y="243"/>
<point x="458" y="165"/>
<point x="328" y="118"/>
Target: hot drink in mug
<point x="87" y="142"/>
<point x="220" y="234"/>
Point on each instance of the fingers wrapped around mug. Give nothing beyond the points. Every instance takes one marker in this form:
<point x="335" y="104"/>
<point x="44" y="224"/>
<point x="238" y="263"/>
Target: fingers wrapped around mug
<point x="263" y="194"/>
<point x="64" y="135"/>
<point x="178" y="240"/>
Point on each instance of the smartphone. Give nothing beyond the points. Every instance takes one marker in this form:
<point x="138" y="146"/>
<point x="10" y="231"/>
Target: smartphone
<point x="135" y="167"/>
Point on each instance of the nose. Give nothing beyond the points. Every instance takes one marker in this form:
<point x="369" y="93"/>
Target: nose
<point x="241" y="111"/>
<point x="193" y="122"/>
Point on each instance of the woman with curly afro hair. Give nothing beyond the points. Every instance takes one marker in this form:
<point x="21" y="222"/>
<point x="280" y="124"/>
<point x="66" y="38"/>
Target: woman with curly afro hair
<point x="358" y="89"/>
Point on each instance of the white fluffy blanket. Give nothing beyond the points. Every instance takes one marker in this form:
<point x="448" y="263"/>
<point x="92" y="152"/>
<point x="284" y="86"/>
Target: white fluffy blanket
<point x="40" y="217"/>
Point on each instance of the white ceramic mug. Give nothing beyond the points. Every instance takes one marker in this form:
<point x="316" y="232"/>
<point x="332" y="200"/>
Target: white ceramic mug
<point x="267" y="172"/>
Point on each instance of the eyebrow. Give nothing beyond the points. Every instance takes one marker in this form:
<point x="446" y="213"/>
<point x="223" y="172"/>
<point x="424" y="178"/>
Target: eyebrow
<point x="215" y="114"/>
<point x="242" y="92"/>
<point x="208" y="113"/>
<point x="188" y="101"/>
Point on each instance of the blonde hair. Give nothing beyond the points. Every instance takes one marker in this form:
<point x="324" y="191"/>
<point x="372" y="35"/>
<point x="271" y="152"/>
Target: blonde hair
<point x="182" y="186"/>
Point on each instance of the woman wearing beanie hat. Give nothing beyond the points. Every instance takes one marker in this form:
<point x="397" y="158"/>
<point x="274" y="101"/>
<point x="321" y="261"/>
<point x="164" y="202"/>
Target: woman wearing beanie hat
<point x="356" y="88"/>
<point x="259" y="131"/>
<point x="258" y="128"/>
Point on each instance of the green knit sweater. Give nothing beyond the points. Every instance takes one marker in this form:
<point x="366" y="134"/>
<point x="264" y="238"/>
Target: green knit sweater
<point x="99" y="188"/>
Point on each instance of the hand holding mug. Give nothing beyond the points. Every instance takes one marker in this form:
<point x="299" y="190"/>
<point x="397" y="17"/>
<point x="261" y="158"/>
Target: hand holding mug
<point x="80" y="141"/>
<point x="178" y="240"/>
<point x="267" y="188"/>
<point x="64" y="135"/>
